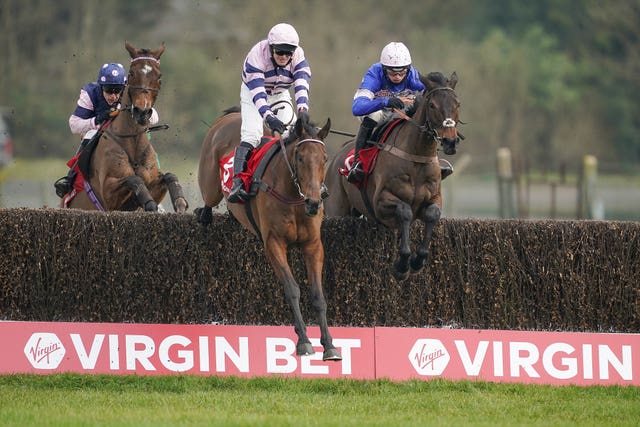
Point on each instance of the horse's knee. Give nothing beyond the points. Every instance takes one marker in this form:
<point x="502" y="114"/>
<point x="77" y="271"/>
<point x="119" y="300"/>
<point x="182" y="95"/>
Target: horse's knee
<point x="403" y="213"/>
<point x="135" y="184"/>
<point x="432" y="213"/>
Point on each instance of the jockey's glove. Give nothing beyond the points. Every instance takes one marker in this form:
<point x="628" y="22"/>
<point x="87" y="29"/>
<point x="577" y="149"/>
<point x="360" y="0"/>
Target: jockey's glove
<point x="103" y="117"/>
<point x="275" y="124"/>
<point x="393" y="102"/>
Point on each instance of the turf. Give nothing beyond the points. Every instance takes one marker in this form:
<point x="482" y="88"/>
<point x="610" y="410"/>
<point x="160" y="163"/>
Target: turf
<point x="100" y="400"/>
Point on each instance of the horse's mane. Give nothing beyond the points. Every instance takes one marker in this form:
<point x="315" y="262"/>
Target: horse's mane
<point x="306" y="125"/>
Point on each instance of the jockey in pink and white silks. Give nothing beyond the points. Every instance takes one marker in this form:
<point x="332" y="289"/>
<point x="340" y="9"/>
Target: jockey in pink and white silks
<point x="271" y="67"/>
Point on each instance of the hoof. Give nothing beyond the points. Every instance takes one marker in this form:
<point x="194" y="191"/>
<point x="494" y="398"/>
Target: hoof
<point x="203" y="215"/>
<point x="331" y="354"/>
<point x="304" y="349"/>
<point x="181" y="205"/>
<point x="416" y="264"/>
<point x="400" y="276"/>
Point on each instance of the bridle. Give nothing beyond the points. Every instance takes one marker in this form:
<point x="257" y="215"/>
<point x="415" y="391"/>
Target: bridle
<point x="129" y="86"/>
<point x="428" y="127"/>
<point x="294" y="172"/>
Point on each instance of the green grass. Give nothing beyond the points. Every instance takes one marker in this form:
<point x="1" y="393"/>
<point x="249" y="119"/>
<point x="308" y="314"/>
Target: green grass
<point x="73" y="399"/>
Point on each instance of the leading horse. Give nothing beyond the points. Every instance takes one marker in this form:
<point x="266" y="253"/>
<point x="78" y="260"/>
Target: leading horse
<point x="287" y="209"/>
<point x="123" y="172"/>
<point x="405" y="184"/>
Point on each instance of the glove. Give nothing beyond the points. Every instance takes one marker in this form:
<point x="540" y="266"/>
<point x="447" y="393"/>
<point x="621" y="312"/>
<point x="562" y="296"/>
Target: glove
<point x="103" y="117"/>
<point x="393" y="102"/>
<point x="275" y="124"/>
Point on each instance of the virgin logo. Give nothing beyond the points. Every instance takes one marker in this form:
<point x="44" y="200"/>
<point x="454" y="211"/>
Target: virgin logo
<point x="429" y="357"/>
<point x="44" y="350"/>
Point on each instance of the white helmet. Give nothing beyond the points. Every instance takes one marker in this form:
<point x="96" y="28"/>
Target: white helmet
<point x="395" y="55"/>
<point x="283" y="34"/>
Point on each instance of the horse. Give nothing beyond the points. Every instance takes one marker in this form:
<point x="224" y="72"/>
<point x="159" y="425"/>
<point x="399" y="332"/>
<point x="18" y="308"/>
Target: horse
<point x="405" y="184"/>
<point x="286" y="210"/>
<point x="123" y="172"/>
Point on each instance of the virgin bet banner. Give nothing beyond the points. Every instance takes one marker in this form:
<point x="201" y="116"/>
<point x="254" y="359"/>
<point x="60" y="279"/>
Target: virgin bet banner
<point x="367" y="353"/>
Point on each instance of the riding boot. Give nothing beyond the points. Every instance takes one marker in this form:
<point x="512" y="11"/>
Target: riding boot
<point x="64" y="185"/>
<point x="238" y="193"/>
<point x="356" y="173"/>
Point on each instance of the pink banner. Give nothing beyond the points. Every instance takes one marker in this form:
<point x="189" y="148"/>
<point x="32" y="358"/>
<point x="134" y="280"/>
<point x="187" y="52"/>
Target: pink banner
<point x="106" y="348"/>
<point x="559" y="358"/>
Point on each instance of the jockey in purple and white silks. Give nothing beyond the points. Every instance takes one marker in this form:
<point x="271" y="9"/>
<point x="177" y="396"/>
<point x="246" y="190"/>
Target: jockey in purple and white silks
<point x="271" y="67"/>
<point x="392" y="83"/>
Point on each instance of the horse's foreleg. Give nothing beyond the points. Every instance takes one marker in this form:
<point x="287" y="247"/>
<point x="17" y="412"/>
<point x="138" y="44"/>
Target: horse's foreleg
<point x="430" y="217"/>
<point x="314" y="260"/>
<point x="403" y="217"/>
<point x="276" y="252"/>
<point x="178" y="200"/>
<point x="135" y="184"/>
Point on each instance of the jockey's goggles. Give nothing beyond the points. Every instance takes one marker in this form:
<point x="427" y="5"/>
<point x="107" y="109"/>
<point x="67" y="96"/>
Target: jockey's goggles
<point x="398" y="71"/>
<point x="112" y="89"/>
<point x="283" y="49"/>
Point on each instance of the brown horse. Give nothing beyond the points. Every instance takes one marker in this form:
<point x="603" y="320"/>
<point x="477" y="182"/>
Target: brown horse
<point x="405" y="183"/>
<point x="123" y="173"/>
<point x="287" y="211"/>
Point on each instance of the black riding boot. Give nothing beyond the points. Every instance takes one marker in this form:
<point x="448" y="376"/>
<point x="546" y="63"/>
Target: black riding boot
<point x="238" y="193"/>
<point x="356" y="173"/>
<point x="65" y="184"/>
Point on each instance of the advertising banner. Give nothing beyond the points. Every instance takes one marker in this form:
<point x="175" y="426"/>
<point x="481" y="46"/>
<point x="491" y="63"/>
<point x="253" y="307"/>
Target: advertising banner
<point x="558" y="358"/>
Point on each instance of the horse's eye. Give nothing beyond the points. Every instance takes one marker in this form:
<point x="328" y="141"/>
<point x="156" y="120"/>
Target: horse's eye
<point x="432" y="105"/>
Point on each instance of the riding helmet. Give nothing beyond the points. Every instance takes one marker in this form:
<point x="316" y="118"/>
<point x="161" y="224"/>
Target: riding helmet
<point x="112" y="74"/>
<point x="283" y="37"/>
<point x="395" y="55"/>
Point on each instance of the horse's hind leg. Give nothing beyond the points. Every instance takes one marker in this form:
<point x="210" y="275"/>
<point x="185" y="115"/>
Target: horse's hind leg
<point x="135" y="184"/>
<point x="178" y="200"/>
<point x="404" y="216"/>
<point x="430" y="216"/>
<point x="314" y="259"/>
<point x="276" y="252"/>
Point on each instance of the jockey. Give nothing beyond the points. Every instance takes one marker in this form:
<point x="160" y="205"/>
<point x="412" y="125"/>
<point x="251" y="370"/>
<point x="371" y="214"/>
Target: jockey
<point x="391" y="83"/>
<point x="271" y="67"/>
<point x="98" y="102"/>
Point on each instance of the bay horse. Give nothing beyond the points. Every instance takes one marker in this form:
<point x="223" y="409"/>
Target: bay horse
<point x="123" y="172"/>
<point x="287" y="209"/>
<point x="405" y="184"/>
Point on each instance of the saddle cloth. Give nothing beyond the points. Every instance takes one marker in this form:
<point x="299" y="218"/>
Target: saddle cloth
<point x="368" y="155"/>
<point x="226" y="165"/>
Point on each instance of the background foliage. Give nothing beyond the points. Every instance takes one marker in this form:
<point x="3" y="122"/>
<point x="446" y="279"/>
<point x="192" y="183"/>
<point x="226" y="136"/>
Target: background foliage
<point x="554" y="79"/>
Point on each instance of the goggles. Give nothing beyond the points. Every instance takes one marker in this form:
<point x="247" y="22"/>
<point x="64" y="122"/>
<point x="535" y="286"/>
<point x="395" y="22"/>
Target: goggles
<point x="396" y="71"/>
<point x="113" y="90"/>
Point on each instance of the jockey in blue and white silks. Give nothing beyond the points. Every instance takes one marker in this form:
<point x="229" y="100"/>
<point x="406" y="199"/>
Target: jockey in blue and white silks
<point x="392" y="83"/>
<point x="270" y="69"/>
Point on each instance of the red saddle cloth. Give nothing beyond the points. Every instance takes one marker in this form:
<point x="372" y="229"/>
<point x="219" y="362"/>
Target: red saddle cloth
<point x="368" y="157"/>
<point x="78" y="182"/>
<point x="226" y="166"/>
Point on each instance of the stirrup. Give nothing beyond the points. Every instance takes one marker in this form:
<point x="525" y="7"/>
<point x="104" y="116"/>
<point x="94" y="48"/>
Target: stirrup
<point x="237" y="193"/>
<point x="356" y="174"/>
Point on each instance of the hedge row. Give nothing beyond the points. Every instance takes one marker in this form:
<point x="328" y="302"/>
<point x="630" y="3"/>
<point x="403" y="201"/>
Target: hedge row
<point x="59" y="265"/>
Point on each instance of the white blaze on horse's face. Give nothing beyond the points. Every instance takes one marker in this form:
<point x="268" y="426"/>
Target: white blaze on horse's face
<point x="449" y="123"/>
<point x="146" y="69"/>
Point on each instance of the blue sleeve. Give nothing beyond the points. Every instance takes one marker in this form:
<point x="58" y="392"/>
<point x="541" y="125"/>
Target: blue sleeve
<point x="366" y="102"/>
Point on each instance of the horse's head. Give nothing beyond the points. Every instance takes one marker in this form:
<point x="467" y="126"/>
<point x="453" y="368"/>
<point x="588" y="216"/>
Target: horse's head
<point x="143" y="82"/>
<point x="441" y="108"/>
<point x="308" y="161"/>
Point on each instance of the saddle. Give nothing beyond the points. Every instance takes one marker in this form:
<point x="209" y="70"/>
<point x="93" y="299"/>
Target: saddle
<point x="369" y="155"/>
<point x="256" y="166"/>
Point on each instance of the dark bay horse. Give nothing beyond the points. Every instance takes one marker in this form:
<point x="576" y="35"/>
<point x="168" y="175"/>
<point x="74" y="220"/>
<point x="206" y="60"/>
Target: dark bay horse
<point x="286" y="211"/>
<point x="406" y="182"/>
<point x="123" y="172"/>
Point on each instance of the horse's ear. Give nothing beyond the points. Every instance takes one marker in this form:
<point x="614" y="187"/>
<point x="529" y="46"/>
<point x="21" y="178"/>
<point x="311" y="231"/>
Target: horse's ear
<point x="157" y="53"/>
<point x="453" y="80"/>
<point x="130" y="48"/>
<point x="322" y="134"/>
